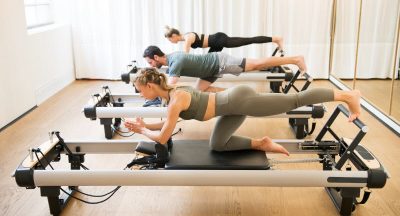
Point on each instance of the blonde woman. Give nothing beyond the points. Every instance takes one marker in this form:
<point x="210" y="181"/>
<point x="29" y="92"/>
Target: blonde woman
<point x="231" y="106"/>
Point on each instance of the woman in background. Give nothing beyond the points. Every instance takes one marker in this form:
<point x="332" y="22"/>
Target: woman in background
<point x="216" y="42"/>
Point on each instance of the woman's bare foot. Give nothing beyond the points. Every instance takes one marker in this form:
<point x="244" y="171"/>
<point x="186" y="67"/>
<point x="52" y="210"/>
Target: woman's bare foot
<point x="299" y="61"/>
<point x="279" y="42"/>
<point x="353" y="101"/>
<point x="266" y="144"/>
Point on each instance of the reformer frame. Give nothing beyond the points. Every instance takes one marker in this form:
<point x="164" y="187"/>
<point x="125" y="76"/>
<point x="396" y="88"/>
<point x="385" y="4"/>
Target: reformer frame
<point x="277" y="78"/>
<point x="109" y="109"/>
<point x="343" y="185"/>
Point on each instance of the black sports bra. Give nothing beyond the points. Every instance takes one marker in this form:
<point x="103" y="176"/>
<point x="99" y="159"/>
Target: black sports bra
<point x="198" y="42"/>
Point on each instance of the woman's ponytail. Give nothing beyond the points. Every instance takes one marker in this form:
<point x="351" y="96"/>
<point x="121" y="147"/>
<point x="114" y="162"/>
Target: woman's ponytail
<point x="170" y="31"/>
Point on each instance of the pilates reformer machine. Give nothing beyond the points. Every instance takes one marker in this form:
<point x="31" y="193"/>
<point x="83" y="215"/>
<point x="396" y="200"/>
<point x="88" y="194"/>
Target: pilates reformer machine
<point x="110" y="110"/>
<point x="281" y="78"/>
<point x="348" y="168"/>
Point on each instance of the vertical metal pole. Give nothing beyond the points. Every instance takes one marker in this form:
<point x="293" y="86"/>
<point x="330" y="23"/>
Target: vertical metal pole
<point x="395" y="62"/>
<point x="332" y="35"/>
<point x="358" y="42"/>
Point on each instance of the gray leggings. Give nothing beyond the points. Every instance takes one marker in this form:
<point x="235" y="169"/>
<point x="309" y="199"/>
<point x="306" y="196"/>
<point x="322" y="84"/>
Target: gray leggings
<point x="234" y="104"/>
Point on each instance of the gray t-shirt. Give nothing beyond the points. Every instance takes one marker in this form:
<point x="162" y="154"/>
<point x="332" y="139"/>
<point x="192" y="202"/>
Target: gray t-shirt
<point x="201" y="66"/>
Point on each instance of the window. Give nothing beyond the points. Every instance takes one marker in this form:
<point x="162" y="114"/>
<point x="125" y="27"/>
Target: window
<point x="38" y="13"/>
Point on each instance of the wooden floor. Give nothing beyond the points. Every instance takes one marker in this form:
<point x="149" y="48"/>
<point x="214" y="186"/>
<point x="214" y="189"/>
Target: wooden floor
<point x="63" y="112"/>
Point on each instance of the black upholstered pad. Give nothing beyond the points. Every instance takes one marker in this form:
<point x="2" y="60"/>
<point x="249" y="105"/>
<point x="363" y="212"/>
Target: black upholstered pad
<point x="146" y="147"/>
<point x="196" y="154"/>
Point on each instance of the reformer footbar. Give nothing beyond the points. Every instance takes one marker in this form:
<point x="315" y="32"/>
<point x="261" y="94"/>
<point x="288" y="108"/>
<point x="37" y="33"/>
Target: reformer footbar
<point x="279" y="86"/>
<point x="109" y="108"/>
<point x="192" y="163"/>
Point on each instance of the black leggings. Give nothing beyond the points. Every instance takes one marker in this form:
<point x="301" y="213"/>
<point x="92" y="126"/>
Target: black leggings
<point x="219" y="40"/>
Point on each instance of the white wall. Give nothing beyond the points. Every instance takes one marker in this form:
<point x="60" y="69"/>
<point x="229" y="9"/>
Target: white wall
<point x="50" y="60"/>
<point x="33" y="66"/>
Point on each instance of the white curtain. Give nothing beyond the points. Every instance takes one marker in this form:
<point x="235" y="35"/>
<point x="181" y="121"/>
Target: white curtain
<point x="108" y="34"/>
<point x="305" y="26"/>
<point x="377" y="38"/>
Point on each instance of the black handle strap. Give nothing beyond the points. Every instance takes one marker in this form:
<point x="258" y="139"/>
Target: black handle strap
<point x="364" y="199"/>
<point x="309" y="132"/>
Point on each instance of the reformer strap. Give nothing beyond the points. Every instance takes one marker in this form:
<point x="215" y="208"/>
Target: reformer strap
<point x="309" y="132"/>
<point x="61" y="141"/>
<point x="365" y="198"/>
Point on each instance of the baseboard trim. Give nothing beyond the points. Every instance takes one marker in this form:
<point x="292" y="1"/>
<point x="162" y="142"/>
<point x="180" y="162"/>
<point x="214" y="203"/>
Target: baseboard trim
<point x="18" y="118"/>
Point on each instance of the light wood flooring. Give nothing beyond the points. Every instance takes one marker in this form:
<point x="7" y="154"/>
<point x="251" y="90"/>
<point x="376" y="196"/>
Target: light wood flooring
<point x="63" y="112"/>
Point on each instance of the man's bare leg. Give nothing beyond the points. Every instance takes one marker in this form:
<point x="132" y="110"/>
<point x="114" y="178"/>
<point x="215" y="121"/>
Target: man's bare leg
<point x="204" y="85"/>
<point x="258" y="64"/>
